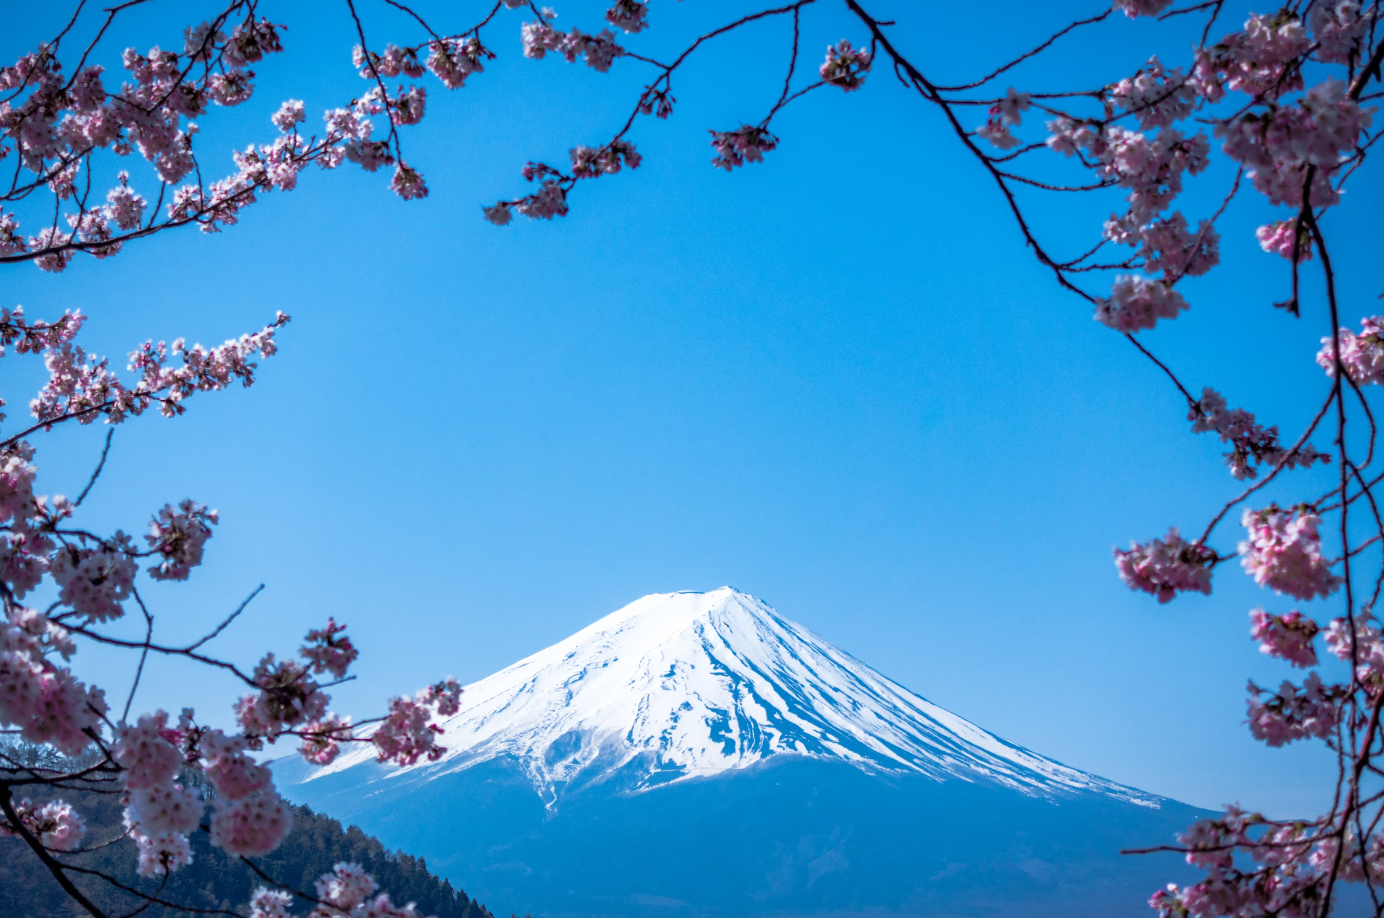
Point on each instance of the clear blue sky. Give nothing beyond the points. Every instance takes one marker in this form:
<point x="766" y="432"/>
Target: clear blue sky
<point x="835" y="380"/>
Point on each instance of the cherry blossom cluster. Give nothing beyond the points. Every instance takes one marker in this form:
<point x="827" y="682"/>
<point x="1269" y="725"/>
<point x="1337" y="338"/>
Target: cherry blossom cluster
<point x="1288" y="238"/>
<point x="56" y="122"/>
<point x="845" y="66"/>
<point x="1292" y="713"/>
<point x="1362" y="355"/>
<point x="346" y="892"/>
<point x="1281" y="145"/>
<point x="1288" y="874"/>
<point x="746" y="145"/>
<point x="1137" y="303"/>
<point x="1251" y="445"/>
<point x="1166" y="567"/>
<point x="96" y="579"/>
<point x="55" y="824"/>
<point x="408" y="732"/>
<point x="83" y="387"/>
<point x="41" y="697"/>
<point x="1284" y="552"/>
<point x="53" y="123"/>
<point x="551" y="198"/>
<point x="599" y="50"/>
<point x="1288" y="637"/>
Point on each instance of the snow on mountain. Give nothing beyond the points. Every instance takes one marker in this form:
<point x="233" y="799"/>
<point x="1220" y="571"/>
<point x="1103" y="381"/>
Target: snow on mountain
<point x="682" y="685"/>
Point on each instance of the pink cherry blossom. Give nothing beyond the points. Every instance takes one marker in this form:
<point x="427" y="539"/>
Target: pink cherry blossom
<point x="408" y="733"/>
<point x="346" y="887"/>
<point x="288" y="696"/>
<point x="179" y="537"/>
<point x="56" y="824"/>
<point x="288" y="115"/>
<point x="1133" y="8"/>
<point x="1283" y="552"/>
<point x="232" y="773"/>
<point x="145" y="753"/>
<point x="452" y="61"/>
<point x="1166" y="567"/>
<point x="270" y="903"/>
<point x="95" y="581"/>
<point x="252" y="826"/>
<point x="1157" y="97"/>
<point x="846" y="67"/>
<point x="1292" y="714"/>
<point x="629" y="15"/>
<point x="1288" y="637"/>
<point x="162" y="854"/>
<point x="746" y="145"/>
<point x="1286" y="238"/>
<point x="1362" y="355"/>
<point x="1251" y="444"/>
<point x="407" y="183"/>
<point x="1339" y="27"/>
<point x="164" y="808"/>
<point x="322" y="739"/>
<point x="1168" y="246"/>
<point x="328" y="651"/>
<point x="1136" y="303"/>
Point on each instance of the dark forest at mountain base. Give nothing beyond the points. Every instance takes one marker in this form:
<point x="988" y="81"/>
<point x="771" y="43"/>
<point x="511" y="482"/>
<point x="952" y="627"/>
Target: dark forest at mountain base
<point x="215" y="880"/>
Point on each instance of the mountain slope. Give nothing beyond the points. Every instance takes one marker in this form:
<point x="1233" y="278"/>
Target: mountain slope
<point x="696" y="754"/>
<point x="696" y="684"/>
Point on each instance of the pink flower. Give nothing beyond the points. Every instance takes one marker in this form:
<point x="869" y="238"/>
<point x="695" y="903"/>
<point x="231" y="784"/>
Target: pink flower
<point x="322" y="739"/>
<point x="164" y="808"/>
<point x="549" y="201"/>
<point x="629" y="15"/>
<point x="453" y="60"/>
<point x="1288" y="637"/>
<point x="1134" y="8"/>
<point x="746" y="145"/>
<point x="407" y="733"/>
<point x="446" y="695"/>
<point x="145" y="753"/>
<point x="270" y="903"/>
<point x="498" y="214"/>
<point x="1362" y="355"/>
<point x="179" y="536"/>
<point x="232" y="773"/>
<point x="251" y="827"/>
<point x="846" y="67"/>
<point x="1136" y="303"/>
<point x="288" y="697"/>
<point x="1285" y="238"/>
<point x="1339" y="27"/>
<point x="328" y="653"/>
<point x="1166" y="567"/>
<point x="1158" y="97"/>
<point x="1292" y="714"/>
<point x="407" y="183"/>
<point x="161" y="854"/>
<point x="1283" y="552"/>
<point x="1169" y="247"/>
<point x="346" y="887"/>
<point x="289" y="114"/>
<point x="1251" y="443"/>
<point x="56" y="824"/>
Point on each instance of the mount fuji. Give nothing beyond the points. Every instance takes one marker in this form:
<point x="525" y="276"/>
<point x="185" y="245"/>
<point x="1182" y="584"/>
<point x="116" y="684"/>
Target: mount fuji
<point x="698" y="754"/>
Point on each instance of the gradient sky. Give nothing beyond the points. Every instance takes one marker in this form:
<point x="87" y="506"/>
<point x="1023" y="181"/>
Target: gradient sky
<point x="835" y="380"/>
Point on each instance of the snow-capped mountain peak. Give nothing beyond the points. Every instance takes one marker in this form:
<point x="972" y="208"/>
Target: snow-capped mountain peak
<point x="683" y="685"/>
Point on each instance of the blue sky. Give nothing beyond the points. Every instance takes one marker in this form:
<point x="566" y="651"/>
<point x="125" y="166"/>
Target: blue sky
<point x="835" y="380"/>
